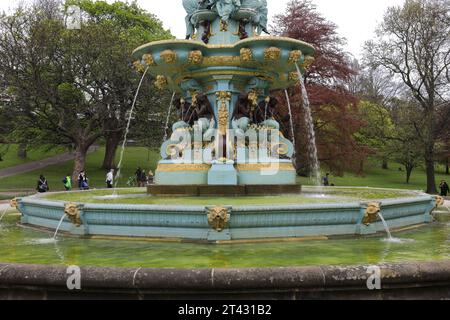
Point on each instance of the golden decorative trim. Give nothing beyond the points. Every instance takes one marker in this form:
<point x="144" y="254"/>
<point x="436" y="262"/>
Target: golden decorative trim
<point x="169" y="56"/>
<point x="73" y="213"/>
<point x="183" y="167"/>
<point x="148" y="59"/>
<point x="272" y="54"/>
<point x="293" y="76"/>
<point x="221" y="61"/>
<point x="161" y="82"/>
<point x="195" y="57"/>
<point x="281" y="149"/>
<point x="295" y="56"/>
<point x="218" y="218"/>
<point x="223" y="118"/>
<point x="246" y="55"/>
<point x="265" y="166"/>
<point x="371" y="213"/>
<point x="223" y="26"/>
<point x="253" y="97"/>
<point x="13" y="203"/>
<point x="440" y="201"/>
<point x="138" y="66"/>
<point x="309" y="60"/>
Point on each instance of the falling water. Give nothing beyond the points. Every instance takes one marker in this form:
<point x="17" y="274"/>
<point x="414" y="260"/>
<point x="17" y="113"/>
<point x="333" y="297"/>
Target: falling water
<point x="313" y="154"/>
<point x="3" y="214"/>
<point x="386" y="227"/>
<point x="166" y="130"/>
<point x="59" y="226"/>
<point x="119" y="167"/>
<point x="291" y="120"/>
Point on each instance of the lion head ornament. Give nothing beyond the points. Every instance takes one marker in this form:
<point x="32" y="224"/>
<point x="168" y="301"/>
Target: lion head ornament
<point x="218" y="218"/>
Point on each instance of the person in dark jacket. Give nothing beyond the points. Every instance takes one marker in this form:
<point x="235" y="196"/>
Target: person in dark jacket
<point x="42" y="185"/>
<point x="83" y="181"/>
<point x="444" y="188"/>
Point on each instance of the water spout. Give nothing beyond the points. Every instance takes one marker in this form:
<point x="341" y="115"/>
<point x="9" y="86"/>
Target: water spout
<point x="166" y="128"/>
<point x="313" y="154"/>
<point x="124" y="143"/>
<point x="3" y="214"/>
<point x="386" y="227"/>
<point x="291" y="121"/>
<point x="59" y="226"/>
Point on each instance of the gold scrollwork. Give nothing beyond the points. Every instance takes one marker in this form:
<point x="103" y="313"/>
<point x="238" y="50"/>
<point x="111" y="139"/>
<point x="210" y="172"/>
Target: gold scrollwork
<point x="195" y="57"/>
<point x="280" y="149"/>
<point x="371" y="213"/>
<point x="246" y="55"/>
<point x="161" y="82"/>
<point x="138" y="66"/>
<point x="218" y="218"/>
<point x="183" y="167"/>
<point x="221" y="61"/>
<point x="223" y="117"/>
<point x="73" y="213"/>
<point x="272" y="54"/>
<point x="253" y="97"/>
<point x="265" y="166"/>
<point x="294" y="56"/>
<point x="223" y="26"/>
<point x="293" y="76"/>
<point x="148" y="59"/>
<point x="169" y="56"/>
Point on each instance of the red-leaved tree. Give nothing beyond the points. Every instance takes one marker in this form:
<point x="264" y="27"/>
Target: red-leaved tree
<point x="328" y="79"/>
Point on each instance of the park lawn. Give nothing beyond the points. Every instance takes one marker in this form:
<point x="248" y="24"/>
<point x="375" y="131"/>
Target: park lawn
<point x="134" y="157"/>
<point x="141" y="157"/>
<point x="11" y="159"/>
<point x="378" y="178"/>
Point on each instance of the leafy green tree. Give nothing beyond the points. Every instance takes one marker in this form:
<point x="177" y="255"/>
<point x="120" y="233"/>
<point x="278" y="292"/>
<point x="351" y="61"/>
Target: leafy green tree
<point x="412" y="43"/>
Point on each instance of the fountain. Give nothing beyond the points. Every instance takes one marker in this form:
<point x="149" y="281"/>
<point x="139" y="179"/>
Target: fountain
<point x="226" y="145"/>
<point x="226" y="176"/>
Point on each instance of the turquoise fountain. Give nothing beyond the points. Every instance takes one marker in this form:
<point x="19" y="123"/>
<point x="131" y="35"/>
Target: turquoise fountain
<point x="227" y="143"/>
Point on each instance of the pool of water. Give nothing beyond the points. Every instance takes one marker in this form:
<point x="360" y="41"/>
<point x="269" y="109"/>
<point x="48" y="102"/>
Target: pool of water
<point x="19" y="245"/>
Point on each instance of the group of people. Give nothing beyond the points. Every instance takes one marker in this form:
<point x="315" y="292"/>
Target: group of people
<point x="142" y="178"/>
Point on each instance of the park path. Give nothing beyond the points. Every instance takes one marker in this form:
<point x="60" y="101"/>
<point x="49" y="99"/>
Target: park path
<point x="36" y="165"/>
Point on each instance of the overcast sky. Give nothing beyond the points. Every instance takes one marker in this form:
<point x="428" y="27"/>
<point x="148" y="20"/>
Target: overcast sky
<point x="356" y="19"/>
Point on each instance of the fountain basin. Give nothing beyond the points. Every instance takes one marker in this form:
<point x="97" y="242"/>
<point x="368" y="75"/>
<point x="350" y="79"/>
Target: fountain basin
<point x="223" y="220"/>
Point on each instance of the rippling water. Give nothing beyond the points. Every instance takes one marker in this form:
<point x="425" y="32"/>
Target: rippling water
<point x="20" y="245"/>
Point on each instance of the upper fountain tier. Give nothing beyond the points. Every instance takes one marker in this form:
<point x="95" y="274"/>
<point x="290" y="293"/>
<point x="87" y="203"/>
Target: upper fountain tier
<point x="225" y="41"/>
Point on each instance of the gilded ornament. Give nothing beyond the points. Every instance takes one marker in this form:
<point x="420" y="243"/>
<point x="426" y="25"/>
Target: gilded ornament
<point x="218" y="218"/>
<point x="272" y="54"/>
<point x="148" y="59"/>
<point x="223" y="117"/>
<point x="294" y="56"/>
<point x="246" y="55"/>
<point x="73" y="213"/>
<point x="138" y="66"/>
<point x="439" y="201"/>
<point x="253" y="97"/>
<point x="195" y="57"/>
<point x="182" y="167"/>
<point x="371" y="213"/>
<point x="309" y="60"/>
<point x="293" y="76"/>
<point x="161" y="82"/>
<point x="169" y="56"/>
<point x="13" y="203"/>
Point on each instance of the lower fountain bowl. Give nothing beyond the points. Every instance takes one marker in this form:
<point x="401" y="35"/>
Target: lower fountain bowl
<point x="224" y="219"/>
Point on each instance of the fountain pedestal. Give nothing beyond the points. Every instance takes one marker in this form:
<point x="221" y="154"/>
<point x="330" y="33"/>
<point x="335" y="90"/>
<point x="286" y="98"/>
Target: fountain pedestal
<point x="223" y="175"/>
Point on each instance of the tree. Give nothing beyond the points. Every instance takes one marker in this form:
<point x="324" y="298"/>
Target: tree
<point x="130" y="26"/>
<point x="334" y="106"/>
<point x="412" y="43"/>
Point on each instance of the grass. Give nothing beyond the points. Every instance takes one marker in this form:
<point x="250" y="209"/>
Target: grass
<point x="141" y="157"/>
<point x="134" y="157"/>
<point x="11" y="159"/>
<point x="137" y="196"/>
<point x="376" y="177"/>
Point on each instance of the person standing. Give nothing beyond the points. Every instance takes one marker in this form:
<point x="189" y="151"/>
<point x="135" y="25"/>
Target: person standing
<point x="67" y="182"/>
<point x="110" y="179"/>
<point x="42" y="185"/>
<point x="151" y="177"/>
<point x="83" y="181"/>
<point x="444" y="188"/>
<point x="326" y="180"/>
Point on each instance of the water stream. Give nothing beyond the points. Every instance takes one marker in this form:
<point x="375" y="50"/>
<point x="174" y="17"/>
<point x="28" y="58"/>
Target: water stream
<point x="291" y="121"/>
<point x="59" y="226"/>
<point x="124" y="143"/>
<point x="312" y="145"/>
<point x="386" y="227"/>
<point x="166" y="128"/>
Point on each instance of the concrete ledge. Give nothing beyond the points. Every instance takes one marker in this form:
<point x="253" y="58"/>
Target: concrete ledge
<point x="399" y="281"/>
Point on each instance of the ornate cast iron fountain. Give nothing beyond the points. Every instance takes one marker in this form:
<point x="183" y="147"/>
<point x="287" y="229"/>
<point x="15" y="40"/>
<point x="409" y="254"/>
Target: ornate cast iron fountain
<point x="229" y="127"/>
